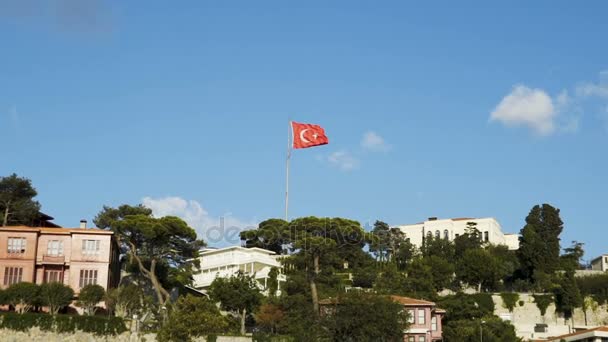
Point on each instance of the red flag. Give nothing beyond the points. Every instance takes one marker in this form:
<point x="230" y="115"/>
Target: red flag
<point x="306" y="135"/>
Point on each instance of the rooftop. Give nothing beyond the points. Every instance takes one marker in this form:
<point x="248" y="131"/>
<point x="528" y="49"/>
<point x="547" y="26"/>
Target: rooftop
<point x="208" y="251"/>
<point x="52" y="230"/>
<point x="577" y="336"/>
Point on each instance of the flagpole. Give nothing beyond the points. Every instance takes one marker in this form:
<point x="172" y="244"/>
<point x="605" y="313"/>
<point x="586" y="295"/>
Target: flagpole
<point x="289" y="133"/>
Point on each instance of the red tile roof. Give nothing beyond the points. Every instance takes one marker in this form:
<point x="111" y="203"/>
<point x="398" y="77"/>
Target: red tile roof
<point x="411" y="301"/>
<point x="50" y="230"/>
<point x="558" y="338"/>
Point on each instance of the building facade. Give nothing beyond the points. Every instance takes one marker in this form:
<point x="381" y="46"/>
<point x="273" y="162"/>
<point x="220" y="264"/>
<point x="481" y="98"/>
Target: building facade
<point x="600" y="263"/>
<point x="227" y="262"/>
<point x="75" y="257"/>
<point x="450" y="229"/>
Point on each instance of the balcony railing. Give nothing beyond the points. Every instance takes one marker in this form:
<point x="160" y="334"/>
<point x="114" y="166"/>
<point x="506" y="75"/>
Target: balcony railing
<point x="53" y="259"/>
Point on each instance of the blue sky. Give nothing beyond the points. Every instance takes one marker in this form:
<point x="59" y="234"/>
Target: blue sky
<point x="432" y="109"/>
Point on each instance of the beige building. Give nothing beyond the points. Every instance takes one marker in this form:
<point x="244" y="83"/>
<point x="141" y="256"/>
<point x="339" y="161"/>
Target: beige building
<point x="600" y="263"/>
<point x="449" y="229"/>
<point x="72" y="256"/>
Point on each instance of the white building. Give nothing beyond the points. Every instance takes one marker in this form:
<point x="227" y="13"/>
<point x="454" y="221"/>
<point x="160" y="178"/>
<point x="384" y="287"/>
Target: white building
<point x="600" y="263"/>
<point x="451" y="228"/>
<point x="226" y="262"/>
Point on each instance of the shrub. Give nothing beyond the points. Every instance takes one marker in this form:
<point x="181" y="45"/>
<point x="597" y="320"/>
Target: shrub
<point x="22" y="296"/>
<point x="521" y="303"/>
<point x="56" y="296"/>
<point x="543" y="302"/>
<point x="190" y="309"/>
<point x="63" y="323"/>
<point x="485" y="301"/>
<point x="509" y="300"/>
<point x="89" y="297"/>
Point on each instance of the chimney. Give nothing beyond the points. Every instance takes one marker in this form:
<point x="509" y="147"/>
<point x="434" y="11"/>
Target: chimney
<point x="432" y="218"/>
<point x="83" y="224"/>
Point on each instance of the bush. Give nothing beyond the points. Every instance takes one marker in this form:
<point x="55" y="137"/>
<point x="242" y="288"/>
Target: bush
<point x="543" y="302"/>
<point x="63" y="323"/>
<point x="509" y="300"/>
<point x="89" y="297"/>
<point x="485" y="301"/>
<point x="521" y="303"/>
<point x="56" y="296"/>
<point x="23" y="296"/>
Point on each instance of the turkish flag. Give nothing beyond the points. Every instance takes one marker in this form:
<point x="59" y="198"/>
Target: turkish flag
<point x="307" y="135"/>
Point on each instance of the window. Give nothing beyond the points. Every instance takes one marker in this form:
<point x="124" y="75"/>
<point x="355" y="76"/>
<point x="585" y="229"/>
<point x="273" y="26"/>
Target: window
<point x="421" y="317"/>
<point x="457" y="235"/>
<point x="486" y="236"/>
<point x="421" y="339"/>
<point x="437" y="234"/>
<point x="90" y="247"/>
<point x="87" y="277"/>
<point x="16" y="245"/>
<point x="429" y="234"/>
<point x="54" y="247"/>
<point x="12" y="275"/>
<point x="434" y="323"/>
<point x="446" y="234"/>
<point x="52" y="276"/>
<point x="411" y="316"/>
<point x="411" y="339"/>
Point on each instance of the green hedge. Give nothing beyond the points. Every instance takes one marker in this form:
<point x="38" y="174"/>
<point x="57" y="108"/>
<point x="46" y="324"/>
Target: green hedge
<point x="265" y="337"/>
<point x="97" y="325"/>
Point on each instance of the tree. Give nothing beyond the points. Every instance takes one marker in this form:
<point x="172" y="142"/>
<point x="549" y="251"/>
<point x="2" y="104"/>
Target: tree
<point x="324" y="243"/>
<point x="23" y="296"/>
<point x="89" y="297"/>
<point x="439" y="247"/>
<point x="17" y="204"/>
<point x="542" y="303"/>
<point x="571" y="259"/>
<point x="567" y="295"/>
<point x="125" y="301"/>
<point x="509" y="300"/>
<point x="494" y="330"/>
<point x="419" y="282"/>
<point x="271" y="234"/>
<point x="269" y="316"/>
<point x="55" y="296"/>
<point x="478" y="267"/>
<point x="238" y="294"/>
<point x="391" y="282"/>
<point x="364" y="277"/>
<point x="405" y="253"/>
<point x="380" y="243"/>
<point x="273" y="282"/>
<point x="153" y="243"/>
<point x="471" y="239"/>
<point x="192" y="317"/>
<point x="364" y="317"/>
<point x="442" y="272"/>
<point x="539" y="241"/>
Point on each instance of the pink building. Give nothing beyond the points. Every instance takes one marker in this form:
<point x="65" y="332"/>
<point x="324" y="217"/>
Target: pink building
<point x="72" y="256"/>
<point x="424" y="319"/>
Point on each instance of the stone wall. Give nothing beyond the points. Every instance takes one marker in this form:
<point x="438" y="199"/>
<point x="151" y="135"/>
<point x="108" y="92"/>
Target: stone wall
<point x="525" y="317"/>
<point x="36" y="335"/>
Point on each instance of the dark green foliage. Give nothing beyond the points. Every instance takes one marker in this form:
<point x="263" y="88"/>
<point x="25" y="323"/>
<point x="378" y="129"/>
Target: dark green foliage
<point x="165" y="250"/>
<point x="365" y="277"/>
<point x="479" y="268"/>
<point x="391" y="281"/>
<point x="360" y="316"/>
<point x="124" y="301"/>
<point x="442" y="271"/>
<point x="509" y="300"/>
<point x="485" y="301"/>
<point x="567" y="295"/>
<point x="97" y="325"/>
<point x="272" y="234"/>
<point x="89" y="297"/>
<point x="539" y="243"/>
<point x="238" y="294"/>
<point x="419" y="282"/>
<point x="273" y="281"/>
<point x="439" y="247"/>
<point x="23" y="296"/>
<point x="380" y="243"/>
<point x="471" y="239"/>
<point x="17" y="204"/>
<point x="464" y="307"/>
<point x="543" y="302"/>
<point x="595" y="286"/>
<point x="494" y="329"/>
<point x="55" y="296"/>
<point x="192" y="317"/>
<point x="404" y="254"/>
<point x="572" y="257"/>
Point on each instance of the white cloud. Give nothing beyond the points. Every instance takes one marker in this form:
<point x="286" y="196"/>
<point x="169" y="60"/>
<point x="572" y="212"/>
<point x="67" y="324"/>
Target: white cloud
<point x="373" y="142"/>
<point x="223" y="230"/>
<point x="527" y="107"/>
<point x="343" y="160"/>
<point x="599" y="89"/>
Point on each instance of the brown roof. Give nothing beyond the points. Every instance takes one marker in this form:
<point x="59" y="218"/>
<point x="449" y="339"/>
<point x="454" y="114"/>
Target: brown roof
<point x="50" y="230"/>
<point x="407" y="301"/>
<point x="602" y="329"/>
